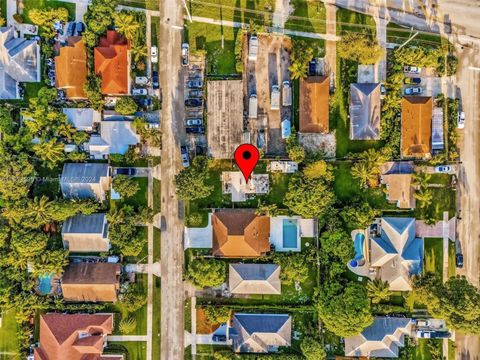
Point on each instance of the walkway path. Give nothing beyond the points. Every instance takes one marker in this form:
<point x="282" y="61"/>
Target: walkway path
<point x="150" y="269"/>
<point x="280" y="15"/>
<point x="285" y="31"/>
<point x="381" y="17"/>
<point x="128" y="338"/>
<point x="331" y="45"/>
<point x="11" y="10"/>
<point x="193" y="334"/>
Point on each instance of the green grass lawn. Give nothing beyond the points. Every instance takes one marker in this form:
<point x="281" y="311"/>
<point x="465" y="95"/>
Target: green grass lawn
<point x="312" y="13"/>
<point x="451" y="350"/>
<point x="3" y="9"/>
<point x="451" y="259"/>
<point x="137" y="200"/>
<point x="188" y="314"/>
<point x="43" y="4"/>
<point x="351" y="21"/>
<point x="399" y="34"/>
<point x="8" y="333"/>
<point x="135" y="350"/>
<point x="142" y="4"/>
<point x="208" y="37"/>
<point x="444" y="199"/>
<point x="347" y="188"/>
<point x="155" y="26"/>
<point x="423" y="352"/>
<point x="156" y="318"/>
<point x="433" y="248"/>
<point x="157" y="195"/>
<point x="156" y="244"/>
<point x="238" y="10"/>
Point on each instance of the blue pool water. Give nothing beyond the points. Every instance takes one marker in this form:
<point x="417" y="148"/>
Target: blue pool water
<point x="359" y="258"/>
<point x="289" y="233"/>
<point x="45" y="284"/>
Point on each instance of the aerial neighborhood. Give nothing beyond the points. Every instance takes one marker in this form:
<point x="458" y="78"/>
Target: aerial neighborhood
<point x="238" y="180"/>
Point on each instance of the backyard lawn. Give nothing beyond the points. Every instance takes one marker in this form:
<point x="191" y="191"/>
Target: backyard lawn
<point x="311" y="16"/>
<point x="8" y="333"/>
<point x="208" y="37"/>
<point x="43" y="4"/>
<point x="434" y="255"/>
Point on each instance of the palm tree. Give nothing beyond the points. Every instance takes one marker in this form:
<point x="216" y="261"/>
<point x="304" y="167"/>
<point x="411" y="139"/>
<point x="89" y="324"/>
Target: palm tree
<point x="424" y="196"/>
<point x="421" y="180"/>
<point x="39" y="210"/>
<point x="49" y="262"/>
<point x="50" y="151"/>
<point x="363" y="172"/>
<point x="378" y="290"/>
<point x="66" y="130"/>
<point x="298" y="70"/>
<point x="126" y="24"/>
<point x="138" y="51"/>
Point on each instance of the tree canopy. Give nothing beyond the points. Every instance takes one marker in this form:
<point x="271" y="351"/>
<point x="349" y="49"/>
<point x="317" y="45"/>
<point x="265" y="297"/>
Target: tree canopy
<point x="125" y="186"/>
<point x="191" y="182"/>
<point x="294" y="267"/>
<point x="206" y="273"/>
<point x="126" y="106"/>
<point x="360" y="47"/>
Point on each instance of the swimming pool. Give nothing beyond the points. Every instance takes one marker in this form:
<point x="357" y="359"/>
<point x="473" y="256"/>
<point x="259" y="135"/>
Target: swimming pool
<point x="45" y="284"/>
<point x="359" y="259"/>
<point x="290" y="237"/>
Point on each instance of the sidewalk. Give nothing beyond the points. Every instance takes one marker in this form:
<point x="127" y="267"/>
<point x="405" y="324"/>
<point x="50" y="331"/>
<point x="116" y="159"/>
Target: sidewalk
<point x="127" y="338"/>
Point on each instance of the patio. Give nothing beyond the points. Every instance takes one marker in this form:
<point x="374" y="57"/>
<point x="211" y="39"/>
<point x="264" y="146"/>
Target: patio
<point x="278" y="224"/>
<point x="233" y="183"/>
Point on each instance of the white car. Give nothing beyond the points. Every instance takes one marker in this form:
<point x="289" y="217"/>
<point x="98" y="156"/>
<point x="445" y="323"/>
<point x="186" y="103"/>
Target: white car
<point x="443" y="169"/>
<point x="461" y="120"/>
<point x="141" y="80"/>
<point x="412" y="69"/>
<point x="185" y="54"/>
<point x="137" y="92"/>
<point x="154" y="54"/>
<point x="422" y="323"/>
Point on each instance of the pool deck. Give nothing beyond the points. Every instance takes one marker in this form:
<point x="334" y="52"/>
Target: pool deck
<point x="305" y="227"/>
<point x="363" y="270"/>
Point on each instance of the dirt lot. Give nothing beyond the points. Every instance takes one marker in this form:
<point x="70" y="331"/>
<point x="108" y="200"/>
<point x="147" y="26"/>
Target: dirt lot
<point x="270" y="68"/>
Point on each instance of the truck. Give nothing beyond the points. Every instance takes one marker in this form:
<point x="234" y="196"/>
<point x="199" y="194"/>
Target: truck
<point x="286" y="94"/>
<point x="252" y="107"/>
<point x="275" y="98"/>
<point x="253" y="48"/>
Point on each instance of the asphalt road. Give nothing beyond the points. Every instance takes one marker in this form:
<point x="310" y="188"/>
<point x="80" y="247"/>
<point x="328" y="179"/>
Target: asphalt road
<point x="171" y="83"/>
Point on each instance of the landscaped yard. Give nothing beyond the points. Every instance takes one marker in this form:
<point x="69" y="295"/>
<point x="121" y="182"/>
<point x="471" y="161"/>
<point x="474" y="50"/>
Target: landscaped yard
<point x="208" y="37"/>
<point x="136" y="350"/>
<point x="423" y="352"/>
<point x="43" y="4"/>
<point x="311" y="16"/>
<point x="140" y="198"/>
<point x="8" y="334"/>
<point x="433" y="248"/>
<point x="443" y="199"/>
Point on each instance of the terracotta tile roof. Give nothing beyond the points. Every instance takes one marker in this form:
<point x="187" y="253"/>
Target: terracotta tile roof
<point x="91" y="282"/>
<point x="314" y="93"/>
<point x="71" y="68"/>
<point x="111" y="63"/>
<point x="72" y="336"/>
<point x="416" y="126"/>
<point x="240" y="234"/>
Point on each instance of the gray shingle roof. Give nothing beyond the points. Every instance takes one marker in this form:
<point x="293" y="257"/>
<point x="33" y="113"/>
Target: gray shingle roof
<point x="365" y="111"/>
<point x="254" y="279"/>
<point x="83" y="173"/>
<point x="85" y="224"/>
<point x="383" y="326"/>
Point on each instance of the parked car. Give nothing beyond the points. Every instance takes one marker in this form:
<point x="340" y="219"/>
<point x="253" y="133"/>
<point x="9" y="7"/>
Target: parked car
<point x="126" y="171"/>
<point x="154" y="54"/>
<point x="195" y="130"/>
<point x="193" y="122"/>
<point x="137" y="92"/>
<point x="79" y="28"/>
<point x="433" y="334"/>
<point x="199" y="150"/>
<point x="71" y="28"/>
<point x="417" y="90"/>
<point x="412" y="69"/>
<point x="461" y="120"/>
<point x="141" y="80"/>
<point x="459" y="260"/>
<point x="217" y="338"/>
<point x="193" y="102"/>
<point x="144" y="102"/>
<point x="185" y="157"/>
<point x="195" y="83"/>
<point x="412" y="81"/>
<point x="443" y="169"/>
<point x="195" y="93"/>
<point x="185" y="54"/>
<point x="155" y="80"/>
<point x="422" y="323"/>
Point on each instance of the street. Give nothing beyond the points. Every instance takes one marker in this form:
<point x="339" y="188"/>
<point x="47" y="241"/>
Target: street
<point x="171" y="83"/>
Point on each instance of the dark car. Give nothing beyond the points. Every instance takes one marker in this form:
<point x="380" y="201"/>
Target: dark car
<point x="193" y="102"/>
<point x="217" y="338"/>
<point x="79" y="28"/>
<point x="459" y="260"/>
<point x="312" y="67"/>
<point x="195" y="93"/>
<point x="413" y="80"/>
<point x="71" y="28"/>
<point x="155" y="82"/>
<point x="199" y="150"/>
<point x="195" y="130"/>
<point x="126" y="171"/>
<point x="196" y="83"/>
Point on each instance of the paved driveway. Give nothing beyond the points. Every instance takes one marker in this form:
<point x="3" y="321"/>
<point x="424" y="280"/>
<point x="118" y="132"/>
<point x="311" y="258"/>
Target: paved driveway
<point x="199" y="238"/>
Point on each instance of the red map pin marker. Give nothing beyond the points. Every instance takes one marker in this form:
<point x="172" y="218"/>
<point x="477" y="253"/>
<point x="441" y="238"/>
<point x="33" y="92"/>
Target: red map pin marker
<point x="246" y="156"/>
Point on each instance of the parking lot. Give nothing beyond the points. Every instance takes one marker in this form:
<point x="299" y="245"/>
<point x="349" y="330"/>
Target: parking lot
<point x="269" y="69"/>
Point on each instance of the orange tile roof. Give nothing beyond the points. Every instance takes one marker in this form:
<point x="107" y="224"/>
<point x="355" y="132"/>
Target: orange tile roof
<point x="111" y="63"/>
<point x="71" y="68"/>
<point x="240" y="234"/>
<point x="416" y="126"/>
<point x="72" y="336"/>
<point x="313" y="115"/>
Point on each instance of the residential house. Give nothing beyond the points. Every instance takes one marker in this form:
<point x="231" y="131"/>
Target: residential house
<point x="234" y="183"/>
<point x="314" y="112"/>
<point x="240" y="234"/>
<point x="225" y="117"/>
<point x="74" y="337"/>
<point x="71" y="68"/>
<point x="91" y="282"/>
<point x="254" y="279"/>
<point x="437" y="129"/>
<point x="112" y="63"/>
<point x="115" y="137"/>
<point x="85" y="181"/>
<point x="260" y="333"/>
<point x="416" y="126"/>
<point x="365" y="111"/>
<point x="395" y="252"/>
<point x="19" y="62"/>
<point x="398" y="180"/>
<point x="382" y="339"/>
<point x="86" y="233"/>
<point x="83" y="119"/>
